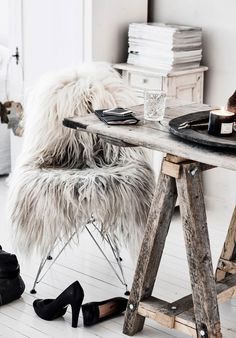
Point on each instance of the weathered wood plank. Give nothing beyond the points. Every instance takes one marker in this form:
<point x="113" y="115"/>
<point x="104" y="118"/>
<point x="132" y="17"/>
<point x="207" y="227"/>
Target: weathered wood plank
<point x="181" y="316"/>
<point x="171" y="169"/>
<point x="205" y="167"/>
<point x="187" y="318"/>
<point x="224" y="288"/>
<point x="155" y="135"/>
<point x="116" y="141"/>
<point x="175" y="159"/>
<point x="185" y="321"/>
<point x="191" y="331"/>
<point x="227" y="266"/>
<point x="227" y="289"/>
<point x="180" y="313"/>
<point x="157" y="310"/>
<point x="229" y="249"/>
<point x="164" y="312"/>
<point x="197" y="243"/>
<point x="159" y="218"/>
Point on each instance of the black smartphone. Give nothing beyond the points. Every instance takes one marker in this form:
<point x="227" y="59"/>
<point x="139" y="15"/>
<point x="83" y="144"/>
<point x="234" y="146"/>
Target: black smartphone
<point x="118" y="111"/>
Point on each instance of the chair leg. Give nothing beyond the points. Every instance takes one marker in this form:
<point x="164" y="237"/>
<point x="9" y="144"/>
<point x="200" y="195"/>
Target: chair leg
<point x="121" y="279"/>
<point x="41" y="266"/>
<point x="114" y="248"/>
<point x="39" y="278"/>
<point x="116" y="252"/>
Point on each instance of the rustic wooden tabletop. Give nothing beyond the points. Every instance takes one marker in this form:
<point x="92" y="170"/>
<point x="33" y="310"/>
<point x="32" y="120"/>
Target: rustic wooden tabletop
<point x="156" y="135"/>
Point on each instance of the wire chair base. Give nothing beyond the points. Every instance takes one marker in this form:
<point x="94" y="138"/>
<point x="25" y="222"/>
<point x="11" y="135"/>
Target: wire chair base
<point x="112" y="244"/>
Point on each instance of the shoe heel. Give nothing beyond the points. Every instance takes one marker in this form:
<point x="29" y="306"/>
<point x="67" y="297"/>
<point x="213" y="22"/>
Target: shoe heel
<point x="75" y="308"/>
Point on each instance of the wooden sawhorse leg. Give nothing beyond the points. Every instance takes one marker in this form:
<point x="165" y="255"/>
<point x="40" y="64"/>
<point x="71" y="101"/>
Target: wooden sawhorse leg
<point x="177" y="315"/>
<point x="227" y="261"/>
<point x="159" y="219"/>
<point x="197" y="244"/>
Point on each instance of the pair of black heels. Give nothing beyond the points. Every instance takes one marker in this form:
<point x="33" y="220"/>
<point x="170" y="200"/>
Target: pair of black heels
<point x="94" y="312"/>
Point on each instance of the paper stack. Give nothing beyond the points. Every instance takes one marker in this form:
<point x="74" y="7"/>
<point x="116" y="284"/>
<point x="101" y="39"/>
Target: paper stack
<point x="164" y="46"/>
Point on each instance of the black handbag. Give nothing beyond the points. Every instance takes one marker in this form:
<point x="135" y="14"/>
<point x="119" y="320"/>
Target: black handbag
<point x="11" y="283"/>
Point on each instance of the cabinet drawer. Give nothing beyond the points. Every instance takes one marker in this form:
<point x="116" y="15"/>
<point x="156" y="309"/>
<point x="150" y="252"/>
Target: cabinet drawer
<point x="145" y="82"/>
<point x="140" y="95"/>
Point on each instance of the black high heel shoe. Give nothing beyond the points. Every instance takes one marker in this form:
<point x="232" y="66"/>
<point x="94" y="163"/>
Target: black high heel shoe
<point x="96" y="312"/>
<point x="50" y="309"/>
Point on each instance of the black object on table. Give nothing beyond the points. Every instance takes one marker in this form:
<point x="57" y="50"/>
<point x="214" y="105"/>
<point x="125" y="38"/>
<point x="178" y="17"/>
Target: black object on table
<point x="194" y="127"/>
<point x="116" y="119"/>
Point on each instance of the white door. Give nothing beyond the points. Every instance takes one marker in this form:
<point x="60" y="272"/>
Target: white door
<point x="49" y="36"/>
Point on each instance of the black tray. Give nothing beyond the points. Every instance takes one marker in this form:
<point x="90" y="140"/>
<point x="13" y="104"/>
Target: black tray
<point x="200" y="135"/>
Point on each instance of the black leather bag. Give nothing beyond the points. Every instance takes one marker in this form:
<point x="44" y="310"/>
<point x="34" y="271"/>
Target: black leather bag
<point x="11" y="283"/>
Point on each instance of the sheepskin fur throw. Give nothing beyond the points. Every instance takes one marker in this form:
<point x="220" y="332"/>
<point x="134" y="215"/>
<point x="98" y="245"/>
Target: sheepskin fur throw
<point x="64" y="176"/>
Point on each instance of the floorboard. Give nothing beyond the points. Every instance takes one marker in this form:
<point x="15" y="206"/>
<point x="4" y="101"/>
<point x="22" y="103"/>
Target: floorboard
<point x="85" y="263"/>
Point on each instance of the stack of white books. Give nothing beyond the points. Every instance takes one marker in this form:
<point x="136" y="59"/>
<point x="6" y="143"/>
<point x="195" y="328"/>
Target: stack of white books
<point x="164" y="46"/>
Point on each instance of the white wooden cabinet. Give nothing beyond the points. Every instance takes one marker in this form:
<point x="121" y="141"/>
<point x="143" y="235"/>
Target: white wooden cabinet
<point x="186" y="85"/>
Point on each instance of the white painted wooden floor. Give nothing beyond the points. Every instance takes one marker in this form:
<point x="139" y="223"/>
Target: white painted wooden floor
<point x="84" y="262"/>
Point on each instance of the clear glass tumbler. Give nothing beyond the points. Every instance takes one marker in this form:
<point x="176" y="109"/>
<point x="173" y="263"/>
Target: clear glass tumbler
<point x="154" y="104"/>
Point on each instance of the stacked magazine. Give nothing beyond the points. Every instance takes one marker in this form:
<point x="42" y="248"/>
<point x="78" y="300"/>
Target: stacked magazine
<point x="164" y="46"/>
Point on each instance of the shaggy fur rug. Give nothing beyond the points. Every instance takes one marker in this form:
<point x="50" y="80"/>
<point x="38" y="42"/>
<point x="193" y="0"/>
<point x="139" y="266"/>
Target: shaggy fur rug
<point x="64" y="176"/>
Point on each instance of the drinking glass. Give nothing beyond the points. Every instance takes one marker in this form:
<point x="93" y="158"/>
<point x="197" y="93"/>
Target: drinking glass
<point x="154" y="104"/>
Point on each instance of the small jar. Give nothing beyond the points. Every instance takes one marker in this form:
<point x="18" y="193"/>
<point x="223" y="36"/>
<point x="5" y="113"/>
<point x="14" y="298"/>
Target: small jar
<point x="221" y="122"/>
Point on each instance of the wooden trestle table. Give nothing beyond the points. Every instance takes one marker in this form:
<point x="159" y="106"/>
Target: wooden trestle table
<point x="196" y="314"/>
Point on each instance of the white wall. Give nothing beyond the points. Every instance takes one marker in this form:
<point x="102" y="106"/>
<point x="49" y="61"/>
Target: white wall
<point x="109" y="24"/>
<point x="52" y="36"/>
<point x="53" y="32"/>
<point x="217" y="18"/>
